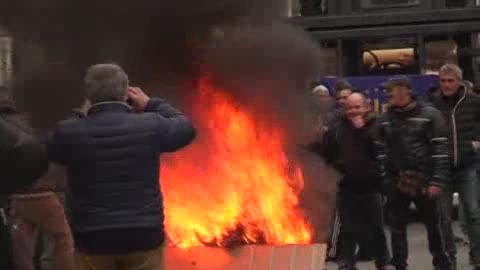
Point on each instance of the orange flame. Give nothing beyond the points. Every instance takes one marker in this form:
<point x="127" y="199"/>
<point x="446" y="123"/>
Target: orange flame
<point x="235" y="176"/>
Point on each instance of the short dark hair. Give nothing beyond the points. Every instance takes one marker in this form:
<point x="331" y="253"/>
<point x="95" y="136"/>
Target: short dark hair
<point x="400" y="81"/>
<point x="342" y="85"/>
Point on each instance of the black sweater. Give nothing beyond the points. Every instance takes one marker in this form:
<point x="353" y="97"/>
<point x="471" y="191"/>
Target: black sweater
<point x="352" y="152"/>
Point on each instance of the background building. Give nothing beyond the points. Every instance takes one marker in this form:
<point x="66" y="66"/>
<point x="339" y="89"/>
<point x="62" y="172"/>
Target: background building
<point x="377" y="37"/>
<point x="6" y="58"/>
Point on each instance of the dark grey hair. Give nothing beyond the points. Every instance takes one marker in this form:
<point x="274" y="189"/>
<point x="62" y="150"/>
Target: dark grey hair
<point x="452" y="69"/>
<point x="106" y="82"/>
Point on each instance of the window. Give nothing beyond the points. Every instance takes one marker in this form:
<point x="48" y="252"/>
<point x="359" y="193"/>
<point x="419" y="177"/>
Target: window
<point x="439" y="53"/>
<point x="389" y="61"/>
<point x="456" y="3"/>
<point x="5" y="60"/>
<point x="328" y="56"/>
<point x="390" y="56"/>
<point x="388" y="3"/>
<point x="312" y="7"/>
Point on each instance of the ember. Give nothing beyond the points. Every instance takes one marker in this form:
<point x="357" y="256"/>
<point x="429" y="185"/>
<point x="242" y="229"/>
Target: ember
<point x="235" y="184"/>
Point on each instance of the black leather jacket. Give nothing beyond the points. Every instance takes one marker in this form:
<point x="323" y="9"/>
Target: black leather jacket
<point x="414" y="138"/>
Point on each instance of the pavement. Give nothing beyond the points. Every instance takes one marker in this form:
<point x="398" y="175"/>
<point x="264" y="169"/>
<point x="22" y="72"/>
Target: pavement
<point x="420" y="258"/>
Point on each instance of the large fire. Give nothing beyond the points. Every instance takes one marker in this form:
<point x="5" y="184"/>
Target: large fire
<point x="235" y="183"/>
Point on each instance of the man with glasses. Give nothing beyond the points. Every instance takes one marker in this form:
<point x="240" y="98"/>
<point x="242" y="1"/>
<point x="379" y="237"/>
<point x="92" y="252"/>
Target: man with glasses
<point x="412" y="147"/>
<point x="461" y="111"/>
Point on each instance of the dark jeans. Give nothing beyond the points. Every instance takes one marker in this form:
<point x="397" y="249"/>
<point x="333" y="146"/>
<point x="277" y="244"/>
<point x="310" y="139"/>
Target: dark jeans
<point x="398" y="205"/>
<point x="465" y="182"/>
<point x="362" y="217"/>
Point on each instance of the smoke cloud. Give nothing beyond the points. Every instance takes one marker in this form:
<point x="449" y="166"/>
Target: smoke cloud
<point x="265" y="62"/>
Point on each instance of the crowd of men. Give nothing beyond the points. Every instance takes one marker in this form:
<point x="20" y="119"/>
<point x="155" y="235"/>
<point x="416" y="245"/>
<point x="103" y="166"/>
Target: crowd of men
<point x="108" y="152"/>
<point x="421" y="151"/>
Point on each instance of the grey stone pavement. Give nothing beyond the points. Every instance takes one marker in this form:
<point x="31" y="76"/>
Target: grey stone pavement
<point x="420" y="258"/>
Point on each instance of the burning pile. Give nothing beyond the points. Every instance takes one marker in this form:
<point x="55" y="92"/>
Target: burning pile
<point x="235" y="184"/>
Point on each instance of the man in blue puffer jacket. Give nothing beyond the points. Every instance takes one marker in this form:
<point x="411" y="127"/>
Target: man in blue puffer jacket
<point x="112" y="162"/>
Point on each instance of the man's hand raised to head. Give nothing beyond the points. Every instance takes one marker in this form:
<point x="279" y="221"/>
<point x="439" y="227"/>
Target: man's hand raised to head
<point x="138" y="98"/>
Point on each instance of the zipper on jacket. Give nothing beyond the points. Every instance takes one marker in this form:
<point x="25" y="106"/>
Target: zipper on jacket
<point x="454" y="127"/>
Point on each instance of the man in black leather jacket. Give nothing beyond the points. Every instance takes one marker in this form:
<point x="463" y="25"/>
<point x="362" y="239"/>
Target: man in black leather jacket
<point x="413" y="150"/>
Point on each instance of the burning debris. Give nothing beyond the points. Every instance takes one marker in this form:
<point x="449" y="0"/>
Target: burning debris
<point x="235" y="185"/>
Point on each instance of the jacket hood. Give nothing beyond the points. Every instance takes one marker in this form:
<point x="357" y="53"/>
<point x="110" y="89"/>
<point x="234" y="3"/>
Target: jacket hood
<point x="7" y="107"/>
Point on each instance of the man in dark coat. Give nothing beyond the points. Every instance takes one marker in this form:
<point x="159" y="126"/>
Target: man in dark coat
<point x="23" y="160"/>
<point x="350" y="148"/>
<point x="112" y="162"/>
<point x="461" y="111"/>
<point x="413" y="149"/>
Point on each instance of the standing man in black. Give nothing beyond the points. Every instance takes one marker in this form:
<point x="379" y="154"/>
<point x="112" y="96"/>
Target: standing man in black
<point x="350" y="148"/>
<point x="413" y="149"/>
<point x="461" y="111"/>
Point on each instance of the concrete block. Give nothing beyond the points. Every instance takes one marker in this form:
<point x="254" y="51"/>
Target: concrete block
<point x="259" y="257"/>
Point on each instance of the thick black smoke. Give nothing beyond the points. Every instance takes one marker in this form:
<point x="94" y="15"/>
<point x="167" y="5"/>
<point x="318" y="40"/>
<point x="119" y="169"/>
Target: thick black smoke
<point x="165" y="46"/>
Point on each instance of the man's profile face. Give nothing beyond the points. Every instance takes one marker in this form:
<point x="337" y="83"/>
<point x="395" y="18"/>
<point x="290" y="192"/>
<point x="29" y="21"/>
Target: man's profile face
<point x="342" y="97"/>
<point x="449" y="84"/>
<point x="398" y="96"/>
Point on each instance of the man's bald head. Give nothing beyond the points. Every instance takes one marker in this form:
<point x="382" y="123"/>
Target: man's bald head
<point x="356" y="105"/>
<point x="357" y="98"/>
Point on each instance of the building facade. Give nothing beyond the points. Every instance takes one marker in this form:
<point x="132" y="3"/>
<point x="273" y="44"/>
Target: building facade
<point x="378" y="37"/>
<point x="6" y="58"/>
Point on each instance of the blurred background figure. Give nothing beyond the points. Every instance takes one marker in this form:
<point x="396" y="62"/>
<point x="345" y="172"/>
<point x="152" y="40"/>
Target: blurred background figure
<point x="23" y="160"/>
<point x="323" y="106"/>
<point x="37" y="208"/>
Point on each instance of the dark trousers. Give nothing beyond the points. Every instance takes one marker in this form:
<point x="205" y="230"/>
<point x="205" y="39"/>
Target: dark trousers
<point x="398" y="208"/>
<point x="465" y="182"/>
<point x="362" y="217"/>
